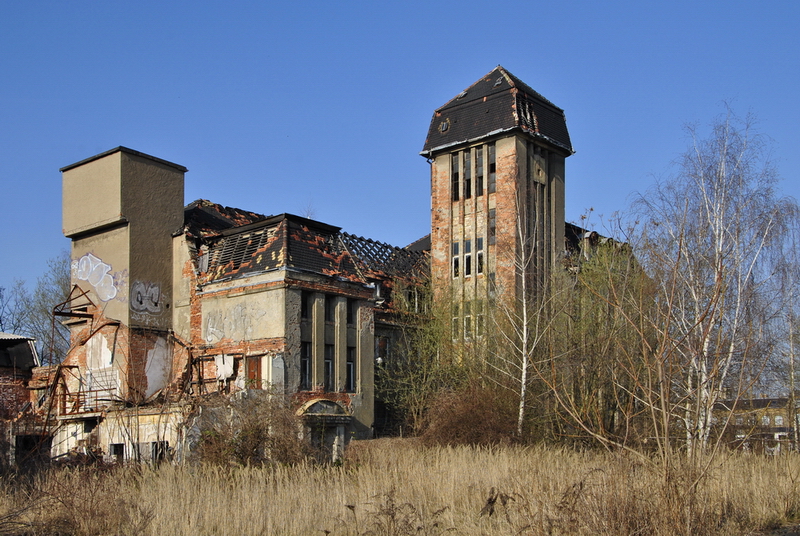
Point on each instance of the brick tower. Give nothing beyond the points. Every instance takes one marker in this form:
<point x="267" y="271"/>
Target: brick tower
<point x="497" y="153"/>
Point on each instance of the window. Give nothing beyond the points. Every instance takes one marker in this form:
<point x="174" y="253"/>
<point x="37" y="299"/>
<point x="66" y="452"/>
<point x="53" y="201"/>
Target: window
<point x="456" y="318"/>
<point x="454" y="178"/>
<point x="305" y="305"/>
<point x="467" y="175"/>
<point x="330" y="308"/>
<point x="456" y="258"/>
<point x="328" y="377"/>
<point x="479" y="171"/>
<point x="468" y="321"/>
<point x="492" y="225"/>
<point x="765" y="420"/>
<point x="492" y="169"/>
<point x="479" y="327"/>
<point x="350" y="378"/>
<point x="381" y="349"/>
<point x="479" y="255"/>
<point x="352" y="309"/>
<point x="159" y="450"/>
<point x="117" y="452"/>
<point x="467" y="258"/>
<point x="305" y="366"/>
<point x="778" y="420"/>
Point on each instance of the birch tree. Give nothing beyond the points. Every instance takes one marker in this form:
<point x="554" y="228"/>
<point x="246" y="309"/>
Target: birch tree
<point x="710" y="238"/>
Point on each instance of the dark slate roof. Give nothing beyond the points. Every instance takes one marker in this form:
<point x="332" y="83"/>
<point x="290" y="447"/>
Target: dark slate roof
<point x="498" y="102"/>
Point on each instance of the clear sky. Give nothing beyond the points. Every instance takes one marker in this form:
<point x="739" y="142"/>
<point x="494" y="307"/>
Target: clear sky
<point x="321" y="108"/>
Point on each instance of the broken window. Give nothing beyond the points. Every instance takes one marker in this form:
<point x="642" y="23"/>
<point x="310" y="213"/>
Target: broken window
<point x="456" y="326"/>
<point x="468" y="321"/>
<point x="381" y="349"/>
<point x="305" y="366"/>
<point x="328" y="376"/>
<point x="305" y="305"/>
<point x="492" y="169"/>
<point x="455" y="256"/>
<point x="467" y="175"/>
<point x="117" y="452"/>
<point x="479" y="327"/>
<point x="350" y="378"/>
<point x="778" y="420"/>
<point x="479" y="171"/>
<point x="467" y="258"/>
<point x="253" y="366"/>
<point x="330" y="308"/>
<point x="159" y="450"/>
<point x="454" y="178"/>
<point x="479" y="255"/>
<point x="492" y="225"/>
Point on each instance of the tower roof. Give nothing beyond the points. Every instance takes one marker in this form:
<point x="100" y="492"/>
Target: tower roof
<point x="498" y="102"/>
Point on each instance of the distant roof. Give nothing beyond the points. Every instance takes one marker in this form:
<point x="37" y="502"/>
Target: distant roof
<point x="496" y="103"/>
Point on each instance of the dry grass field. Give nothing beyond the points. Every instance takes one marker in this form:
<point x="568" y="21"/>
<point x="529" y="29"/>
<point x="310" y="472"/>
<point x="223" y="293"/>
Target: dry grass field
<point x="397" y="487"/>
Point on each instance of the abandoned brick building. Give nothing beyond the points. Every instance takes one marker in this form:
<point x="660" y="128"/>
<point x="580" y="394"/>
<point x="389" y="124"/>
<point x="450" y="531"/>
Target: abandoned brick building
<point x="173" y="302"/>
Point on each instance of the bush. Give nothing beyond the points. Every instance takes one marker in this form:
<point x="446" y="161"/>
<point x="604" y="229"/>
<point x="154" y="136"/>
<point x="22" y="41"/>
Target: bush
<point x="472" y="415"/>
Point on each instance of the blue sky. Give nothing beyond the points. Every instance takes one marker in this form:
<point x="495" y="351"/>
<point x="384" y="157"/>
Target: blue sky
<point x="323" y="107"/>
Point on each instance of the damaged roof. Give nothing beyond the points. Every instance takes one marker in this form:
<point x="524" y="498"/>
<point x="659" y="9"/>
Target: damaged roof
<point x="17" y="351"/>
<point x="289" y="241"/>
<point x="203" y="218"/>
<point x="498" y="102"/>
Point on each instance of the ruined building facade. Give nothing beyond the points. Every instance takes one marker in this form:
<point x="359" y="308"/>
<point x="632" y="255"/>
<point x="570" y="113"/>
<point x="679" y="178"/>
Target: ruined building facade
<point x="171" y="303"/>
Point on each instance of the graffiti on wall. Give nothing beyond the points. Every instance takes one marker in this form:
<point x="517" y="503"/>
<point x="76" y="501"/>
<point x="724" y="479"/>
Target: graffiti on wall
<point x="98" y="274"/>
<point x="235" y="324"/>
<point x="145" y="297"/>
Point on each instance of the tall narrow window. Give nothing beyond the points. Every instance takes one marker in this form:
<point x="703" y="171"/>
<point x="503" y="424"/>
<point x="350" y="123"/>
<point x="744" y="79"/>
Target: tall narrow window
<point x="467" y="258"/>
<point x="468" y="321"/>
<point x="479" y="170"/>
<point x="456" y="258"/>
<point x="492" y="225"/>
<point x="492" y="169"/>
<point x="456" y="326"/>
<point x="330" y="308"/>
<point x="352" y="310"/>
<point x="479" y="255"/>
<point x="479" y="327"/>
<point x="467" y="175"/>
<point x="305" y="305"/>
<point x="350" y="378"/>
<point x="305" y="366"/>
<point x="454" y="178"/>
<point x="328" y="377"/>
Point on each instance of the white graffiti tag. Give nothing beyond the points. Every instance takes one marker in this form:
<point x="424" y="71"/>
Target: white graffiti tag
<point x="145" y="297"/>
<point x="90" y="268"/>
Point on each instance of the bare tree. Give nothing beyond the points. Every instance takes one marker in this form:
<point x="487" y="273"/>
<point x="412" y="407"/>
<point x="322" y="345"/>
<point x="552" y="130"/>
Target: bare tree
<point x="711" y="239"/>
<point x="30" y="313"/>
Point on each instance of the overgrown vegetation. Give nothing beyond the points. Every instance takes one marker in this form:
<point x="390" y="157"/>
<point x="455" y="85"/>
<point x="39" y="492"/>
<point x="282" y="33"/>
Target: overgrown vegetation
<point x="397" y="487"/>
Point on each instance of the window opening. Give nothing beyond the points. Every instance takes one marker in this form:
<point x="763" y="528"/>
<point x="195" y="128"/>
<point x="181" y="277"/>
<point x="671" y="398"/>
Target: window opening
<point x="350" y="378"/>
<point x="454" y="176"/>
<point x="328" y="376"/>
<point x="479" y="255"/>
<point x="492" y="225"/>
<point x="456" y="258"/>
<point x="492" y="169"/>
<point x="305" y="366"/>
<point x="467" y="175"/>
<point x="467" y="258"/>
<point x="305" y="305"/>
<point x="455" y="324"/>
<point x="468" y="321"/>
<point x="479" y="171"/>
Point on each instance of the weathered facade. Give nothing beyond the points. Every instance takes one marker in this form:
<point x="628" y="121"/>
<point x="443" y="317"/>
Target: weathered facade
<point x="172" y="303"/>
<point x="497" y="152"/>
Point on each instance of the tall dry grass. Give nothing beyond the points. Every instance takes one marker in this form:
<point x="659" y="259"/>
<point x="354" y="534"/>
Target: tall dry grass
<point x="391" y="487"/>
